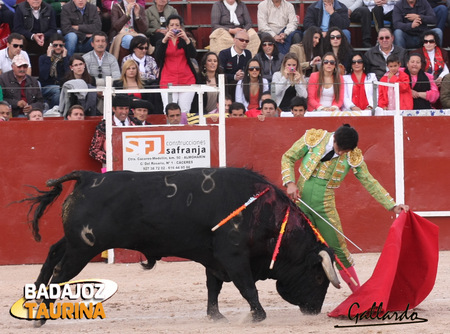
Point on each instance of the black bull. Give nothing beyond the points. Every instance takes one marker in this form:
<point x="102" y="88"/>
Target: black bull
<point x="172" y="213"/>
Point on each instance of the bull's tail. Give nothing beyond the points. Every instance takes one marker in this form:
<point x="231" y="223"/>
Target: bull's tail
<point x="44" y="199"/>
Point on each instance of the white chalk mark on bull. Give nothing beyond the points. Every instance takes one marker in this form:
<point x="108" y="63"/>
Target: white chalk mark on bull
<point x="173" y="185"/>
<point x="208" y="178"/>
<point x="87" y="236"/>
<point x="95" y="184"/>
<point x="189" y="199"/>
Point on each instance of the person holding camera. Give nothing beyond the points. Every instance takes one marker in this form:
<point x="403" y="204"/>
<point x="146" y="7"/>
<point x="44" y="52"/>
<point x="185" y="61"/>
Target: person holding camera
<point x="289" y="82"/>
<point x="53" y="67"/>
<point x="174" y="53"/>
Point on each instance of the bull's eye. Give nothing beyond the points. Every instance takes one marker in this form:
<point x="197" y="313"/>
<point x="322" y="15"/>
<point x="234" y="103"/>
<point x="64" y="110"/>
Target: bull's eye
<point x="319" y="279"/>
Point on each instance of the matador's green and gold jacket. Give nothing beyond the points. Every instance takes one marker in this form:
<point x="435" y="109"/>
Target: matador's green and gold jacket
<point x="311" y="148"/>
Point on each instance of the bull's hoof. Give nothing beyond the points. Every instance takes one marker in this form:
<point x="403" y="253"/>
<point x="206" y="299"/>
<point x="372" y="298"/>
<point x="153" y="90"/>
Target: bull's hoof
<point x="258" y="315"/>
<point x="217" y="317"/>
<point x="39" y="323"/>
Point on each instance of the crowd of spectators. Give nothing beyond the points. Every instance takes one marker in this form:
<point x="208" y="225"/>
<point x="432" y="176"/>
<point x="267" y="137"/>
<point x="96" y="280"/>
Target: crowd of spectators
<point x="55" y="46"/>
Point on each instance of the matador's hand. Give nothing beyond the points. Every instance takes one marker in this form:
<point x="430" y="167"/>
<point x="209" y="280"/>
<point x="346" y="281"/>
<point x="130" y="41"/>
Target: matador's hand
<point x="292" y="191"/>
<point x="398" y="208"/>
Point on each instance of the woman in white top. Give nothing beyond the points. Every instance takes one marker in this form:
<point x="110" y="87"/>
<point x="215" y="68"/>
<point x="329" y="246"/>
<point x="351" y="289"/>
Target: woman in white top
<point x="289" y="82"/>
<point x="358" y="88"/>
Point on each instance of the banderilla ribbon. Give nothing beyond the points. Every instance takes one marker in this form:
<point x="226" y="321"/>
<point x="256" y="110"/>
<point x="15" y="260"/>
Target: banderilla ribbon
<point x="326" y="221"/>
<point x="240" y="209"/>
<point x="322" y="240"/>
<point x="282" y="229"/>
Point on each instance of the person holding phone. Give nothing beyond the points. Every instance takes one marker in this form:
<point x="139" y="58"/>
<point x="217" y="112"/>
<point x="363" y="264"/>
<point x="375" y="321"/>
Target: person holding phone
<point x="289" y="82"/>
<point x="174" y="53"/>
<point x="53" y="67"/>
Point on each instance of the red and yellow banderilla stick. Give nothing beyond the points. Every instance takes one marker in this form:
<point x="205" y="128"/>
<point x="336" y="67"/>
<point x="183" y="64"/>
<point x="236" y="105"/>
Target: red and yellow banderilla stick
<point x="322" y="240"/>
<point x="282" y="229"/>
<point x="240" y="209"/>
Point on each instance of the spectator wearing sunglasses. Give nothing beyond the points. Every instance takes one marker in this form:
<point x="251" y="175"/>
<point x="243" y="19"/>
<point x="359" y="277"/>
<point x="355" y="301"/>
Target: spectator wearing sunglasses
<point x="289" y="82"/>
<point x="277" y="18"/>
<point x="148" y="68"/>
<point x="269" y="57"/>
<point x="325" y="14"/>
<point x="336" y="42"/>
<point x="53" y="67"/>
<point x="359" y="85"/>
<point x="234" y="59"/>
<point x="436" y="59"/>
<point x="14" y="47"/>
<point x="251" y="87"/>
<point x="377" y="55"/>
<point x="36" y="20"/>
<point x="227" y="18"/>
<point x="325" y="87"/>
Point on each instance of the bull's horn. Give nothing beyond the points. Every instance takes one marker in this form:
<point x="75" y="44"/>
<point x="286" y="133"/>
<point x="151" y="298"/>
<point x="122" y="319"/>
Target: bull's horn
<point x="329" y="269"/>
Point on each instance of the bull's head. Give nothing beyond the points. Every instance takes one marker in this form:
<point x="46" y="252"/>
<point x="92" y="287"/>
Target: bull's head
<point x="305" y="284"/>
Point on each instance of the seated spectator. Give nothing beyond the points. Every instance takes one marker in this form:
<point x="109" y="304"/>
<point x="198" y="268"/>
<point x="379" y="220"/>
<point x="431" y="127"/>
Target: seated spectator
<point x="268" y="109"/>
<point x="23" y="91"/>
<point x="227" y="18"/>
<point x="424" y="90"/>
<point x="228" y="102"/>
<point x="99" y="62"/>
<point x="209" y="75"/>
<point x="445" y="92"/>
<point x="289" y="82"/>
<point x="277" y="18"/>
<point x="251" y="87"/>
<point x="105" y="12"/>
<point x="121" y="110"/>
<point x="75" y="113"/>
<point x="5" y="111"/>
<point x="386" y="95"/>
<point x="141" y="109"/>
<point x="148" y="68"/>
<point x="78" y="71"/>
<point x="35" y="115"/>
<point x="410" y="20"/>
<point x="53" y="67"/>
<point x="357" y="12"/>
<point x="173" y="113"/>
<point x="336" y="42"/>
<point x="157" y="16"/>
<point x="325" y="87"/>
<point x="57" y="6"/>
<point x="234" y="59"/>
<point x="175" y="52"/>
<point x="440" y="9"/>
<point x="14" y="47"/>
<point x="310" y="50"/>
<point x="377" y="55"/>
<point x="128" y="21"/>
<point x="79" y="21"/>
<point x="36" y="20"/>
<point x="359" y="86"/>
<point x="325" y="14"/>
<point x="7" y="12"/>
<point x="381" y="11"/>
<point x="436" y="58"/>
<point x="269" y="57"/>
<point x="237" y="109"/>
<point x="299" y="105"/>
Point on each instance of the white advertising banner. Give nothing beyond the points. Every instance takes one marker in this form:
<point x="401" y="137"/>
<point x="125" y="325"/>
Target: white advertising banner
<point x="165" y="150"/>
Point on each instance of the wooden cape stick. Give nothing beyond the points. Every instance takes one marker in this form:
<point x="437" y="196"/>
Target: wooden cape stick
<point x="277" y="247"/>
<point x="241" y="208"/>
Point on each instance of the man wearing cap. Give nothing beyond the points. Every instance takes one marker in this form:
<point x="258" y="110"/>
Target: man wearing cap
<point x="141" y="109"/>
<point x="14" y="47"/>
<point x="121" y="110"/>
<point x="20" y="90"/>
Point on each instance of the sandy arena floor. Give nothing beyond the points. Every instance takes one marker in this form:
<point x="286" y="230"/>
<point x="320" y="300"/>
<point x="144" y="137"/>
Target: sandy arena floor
<point x="171" y="298"/>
